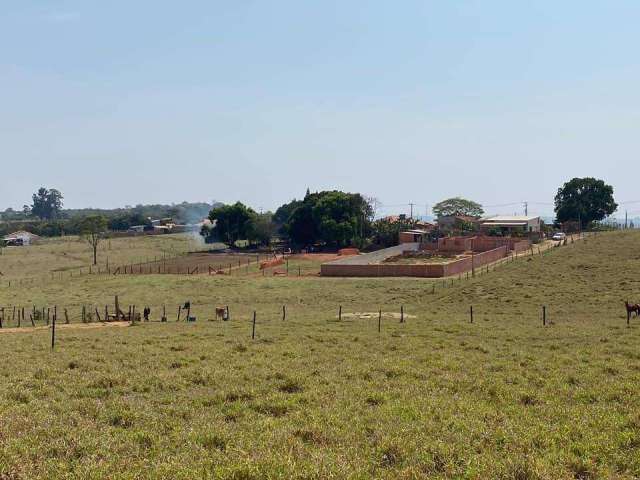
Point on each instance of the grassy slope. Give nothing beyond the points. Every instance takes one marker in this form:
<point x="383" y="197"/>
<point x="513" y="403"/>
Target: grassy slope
<point x="71" y="253"/>
<point x="314" y="397"/>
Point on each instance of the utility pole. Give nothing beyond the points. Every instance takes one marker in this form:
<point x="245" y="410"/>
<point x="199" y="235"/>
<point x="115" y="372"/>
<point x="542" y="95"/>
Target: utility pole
<point x="526" y="209"/>
<point x="626" y="225"/>
<point x="411" y="216"/>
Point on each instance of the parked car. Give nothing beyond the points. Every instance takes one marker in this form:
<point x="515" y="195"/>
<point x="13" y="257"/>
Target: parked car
<point x="559" y="236"/>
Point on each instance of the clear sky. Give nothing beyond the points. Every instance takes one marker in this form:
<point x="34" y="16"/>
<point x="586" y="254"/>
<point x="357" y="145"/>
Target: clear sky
<point x="125" y="102"/>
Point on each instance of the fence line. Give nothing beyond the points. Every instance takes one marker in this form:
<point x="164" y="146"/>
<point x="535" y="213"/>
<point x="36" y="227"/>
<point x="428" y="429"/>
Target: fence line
<point x="228" y="268"/>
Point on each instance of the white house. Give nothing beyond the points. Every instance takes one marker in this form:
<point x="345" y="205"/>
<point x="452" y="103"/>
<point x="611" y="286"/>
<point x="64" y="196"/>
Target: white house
<point x="510" y="223"/>
<point x="20" y="238"/>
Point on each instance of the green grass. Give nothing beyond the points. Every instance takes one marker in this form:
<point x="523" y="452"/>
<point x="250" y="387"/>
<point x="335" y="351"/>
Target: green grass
<point x="64" y="255"/>
<point x="314" y="397"/>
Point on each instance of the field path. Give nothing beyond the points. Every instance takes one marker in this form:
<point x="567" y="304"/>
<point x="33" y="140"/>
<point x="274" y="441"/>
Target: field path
<point x="65" y="326"/>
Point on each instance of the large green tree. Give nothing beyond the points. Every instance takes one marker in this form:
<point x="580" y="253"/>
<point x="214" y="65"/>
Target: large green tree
<point x="232" y="222"/>
<point x="46" y="203"/>
<point x="457" y="206"/>
<point x="584" y="200"/>
<point x="333" y="217"/>
<point x="283" y="214"/>
<point x="386" y="232"/>
<point x="263" y="228"/>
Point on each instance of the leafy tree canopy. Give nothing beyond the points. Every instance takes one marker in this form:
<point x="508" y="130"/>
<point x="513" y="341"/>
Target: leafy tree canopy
<point x="584" y="200"/>
<point x="458" y="206"/>
<point x="334" y="217"/>
<point x="233" y="222"/>
<point x="283" y="214"/>
<point x="387" y="232"/>
<point x="46" y="203"/>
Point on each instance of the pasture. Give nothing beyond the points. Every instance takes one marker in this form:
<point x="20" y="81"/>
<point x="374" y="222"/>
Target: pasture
<point x="313" y="396"/>
<point x="70" y="254"/>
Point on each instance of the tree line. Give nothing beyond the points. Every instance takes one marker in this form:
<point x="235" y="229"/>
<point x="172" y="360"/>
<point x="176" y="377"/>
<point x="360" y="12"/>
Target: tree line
<point x="45" y="215"/>
<point x="338" y="219"/>
<point x="331" y="219"/>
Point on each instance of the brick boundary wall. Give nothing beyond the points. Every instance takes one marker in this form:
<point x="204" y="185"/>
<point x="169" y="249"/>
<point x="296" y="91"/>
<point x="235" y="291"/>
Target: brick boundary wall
<point x="521" y="246"/>
<point x="490" y="256"/>
<point x="426" y="271"/>
<point x="477" y="243"/>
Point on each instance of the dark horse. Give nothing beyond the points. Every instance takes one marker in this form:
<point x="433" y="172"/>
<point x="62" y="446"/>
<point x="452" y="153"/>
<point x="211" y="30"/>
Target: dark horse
<point x="632" y="308"/>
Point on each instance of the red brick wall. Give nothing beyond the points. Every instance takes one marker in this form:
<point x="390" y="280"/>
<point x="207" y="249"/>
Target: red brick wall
<point x="429" y="271"/>
<point x="521" y="246"/>
<point x="382" y="270"/>
<point x="455" y="244"/>
<point x="456" y="268"/>
<point x="490" y="256"/>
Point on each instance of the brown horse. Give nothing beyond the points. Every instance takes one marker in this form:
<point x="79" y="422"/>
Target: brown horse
<point x="632" y="308"/>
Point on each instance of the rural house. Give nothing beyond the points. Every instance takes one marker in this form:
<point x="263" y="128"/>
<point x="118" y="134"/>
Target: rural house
<point x="510" y="224"/>
<point x="413" y="236"/>
<point x="20" y="238"/>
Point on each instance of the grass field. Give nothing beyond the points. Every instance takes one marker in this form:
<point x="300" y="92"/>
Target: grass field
<point x="66" y="254"/>
<point x="315" y="397"/>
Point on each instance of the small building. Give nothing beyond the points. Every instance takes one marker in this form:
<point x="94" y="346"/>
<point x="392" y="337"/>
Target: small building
<point x="136" y="228"/>
<point x="20" y="238"/>
<point x="413" y="236"/>
<point x="509" y="224"/>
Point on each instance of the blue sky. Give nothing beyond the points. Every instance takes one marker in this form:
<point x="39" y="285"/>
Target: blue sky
<point x="119" y="103"/>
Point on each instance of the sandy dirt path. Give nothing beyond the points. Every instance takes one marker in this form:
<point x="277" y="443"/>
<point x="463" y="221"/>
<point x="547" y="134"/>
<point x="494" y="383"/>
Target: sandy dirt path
<point x="65" y="326"/>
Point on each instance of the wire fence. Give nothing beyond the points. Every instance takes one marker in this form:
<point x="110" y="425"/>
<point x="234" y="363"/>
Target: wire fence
<point x="21" y="315"/>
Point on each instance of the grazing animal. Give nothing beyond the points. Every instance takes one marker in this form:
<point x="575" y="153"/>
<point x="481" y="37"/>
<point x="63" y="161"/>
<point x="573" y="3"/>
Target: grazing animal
<point x="220" y="313"/>
<point x="632" y="308"/>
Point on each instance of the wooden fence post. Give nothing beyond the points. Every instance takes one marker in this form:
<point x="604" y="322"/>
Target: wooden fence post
<point x="628" y="317"/>
<point x="179" y="312"/>
<point x="401" y="313"/>
<point x="66" y="316"/>
<point x="284" y="312"/>
<point x="53" y="332"/>
<point x="253" y="330"/>
<point x="471" y="313"/>
<point x="340" y="312"/>
<point x="544" y="315"/>
<point x="379" y="320"/>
